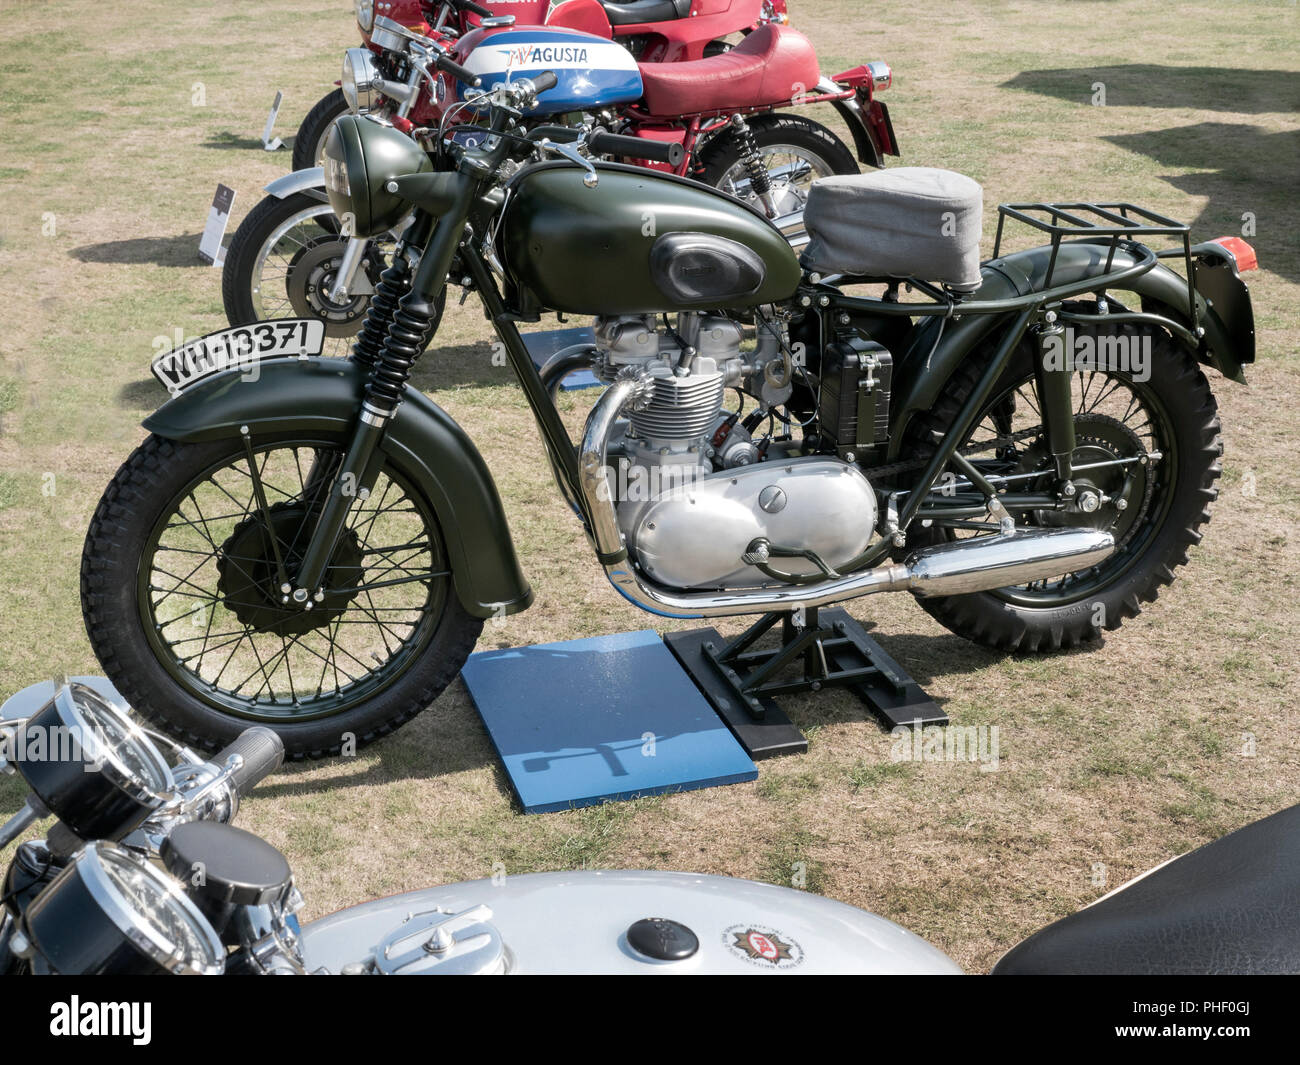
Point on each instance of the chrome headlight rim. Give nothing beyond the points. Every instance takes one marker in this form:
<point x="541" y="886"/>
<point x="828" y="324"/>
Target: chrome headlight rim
<point x="359" y="75"/>
<point x="104" y="741"/>
<point x="120" y="898"/>
<point x="97" y="864"/>
<point x="365" y="14"/>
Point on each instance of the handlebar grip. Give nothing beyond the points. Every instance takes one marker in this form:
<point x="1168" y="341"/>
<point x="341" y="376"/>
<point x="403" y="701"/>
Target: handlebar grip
<point x="669" y="152"/>
<point x="457" y="71"/>
<point x="473" y="8"/>
<point x="547" y="79"/>
<point x="262" y="751"/>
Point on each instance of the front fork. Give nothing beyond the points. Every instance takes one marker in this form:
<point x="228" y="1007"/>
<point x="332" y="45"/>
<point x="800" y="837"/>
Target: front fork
<point x="407" y="332"/>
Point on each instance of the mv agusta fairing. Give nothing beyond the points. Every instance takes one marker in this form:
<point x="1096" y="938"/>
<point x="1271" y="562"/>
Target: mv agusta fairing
<point x="1029" y="444"/>
<point x="141" y="872"/>
<point x="729" y="120"/>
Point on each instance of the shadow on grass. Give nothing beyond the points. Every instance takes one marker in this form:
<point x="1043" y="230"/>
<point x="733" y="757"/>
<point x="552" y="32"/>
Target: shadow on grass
<point x="1246" y="174"/>
<point x="226" y="139"/>
<point x="141" y="395"/>
<point x="181" y="250"/>
<point x="1150" y="85"/>
<point x="458" y="366"/>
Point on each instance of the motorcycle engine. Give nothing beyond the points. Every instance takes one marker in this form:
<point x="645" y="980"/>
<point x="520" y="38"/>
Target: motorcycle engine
<point x="699" y="503"/>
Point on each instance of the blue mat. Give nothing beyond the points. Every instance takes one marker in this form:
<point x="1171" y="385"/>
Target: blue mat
<point x="541" y="346"/>
<point x="573" y="722"/>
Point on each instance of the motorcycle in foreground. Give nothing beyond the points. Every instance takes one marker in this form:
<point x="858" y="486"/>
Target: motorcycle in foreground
<point x="196" y="896"/>
<point x="1029" y="445"/>
<point x="725" y="121"/>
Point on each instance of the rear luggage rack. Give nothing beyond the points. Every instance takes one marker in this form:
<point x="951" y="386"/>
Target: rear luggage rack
<point x="1118" y="221"/>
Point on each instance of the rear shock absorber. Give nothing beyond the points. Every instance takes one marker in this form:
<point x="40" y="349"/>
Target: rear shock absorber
<point x="760" y="181"/>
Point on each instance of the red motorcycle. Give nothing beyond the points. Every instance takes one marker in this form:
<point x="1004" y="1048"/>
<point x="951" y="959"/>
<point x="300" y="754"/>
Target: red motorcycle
<point x="654" y="31"/>
<point x="723" y="120"/>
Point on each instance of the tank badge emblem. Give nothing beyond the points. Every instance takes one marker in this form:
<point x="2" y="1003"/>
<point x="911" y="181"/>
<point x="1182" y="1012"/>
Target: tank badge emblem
<point x="763" y="946"/>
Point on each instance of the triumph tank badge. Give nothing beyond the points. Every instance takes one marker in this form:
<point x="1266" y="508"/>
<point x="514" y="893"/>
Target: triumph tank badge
<point x="763" y="946"/>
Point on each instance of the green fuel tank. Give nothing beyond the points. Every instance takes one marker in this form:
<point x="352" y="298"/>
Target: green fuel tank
<point x="638" y="242"/>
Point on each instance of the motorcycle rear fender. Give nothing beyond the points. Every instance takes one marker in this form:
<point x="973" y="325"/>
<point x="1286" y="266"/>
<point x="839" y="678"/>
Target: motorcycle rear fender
<point x="314" y="395"/>
<point x="868" y="122"/>
<point x="311" y="181"/>
<point x="1229" y="332"/>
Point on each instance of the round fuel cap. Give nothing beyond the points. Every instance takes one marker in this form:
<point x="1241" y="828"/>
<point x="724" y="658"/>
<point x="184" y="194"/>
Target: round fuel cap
<point x="662" y="939"/>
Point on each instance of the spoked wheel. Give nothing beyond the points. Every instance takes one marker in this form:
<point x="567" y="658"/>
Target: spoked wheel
<point x="183" y="581"/>
<point x="795" y="151"/>
<point x="283" y="262"/>
<point x="1147" y="453"/>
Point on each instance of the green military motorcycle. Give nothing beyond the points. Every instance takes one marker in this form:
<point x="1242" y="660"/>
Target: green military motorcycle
<point x="1028" y="444"/>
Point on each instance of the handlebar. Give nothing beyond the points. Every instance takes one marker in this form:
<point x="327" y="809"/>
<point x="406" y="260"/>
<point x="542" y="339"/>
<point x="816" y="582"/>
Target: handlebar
<point x="262" y="752"/>
<point x="669" y="152"/>
<point x="445" y="63"/>
<point x="547" y="79"/>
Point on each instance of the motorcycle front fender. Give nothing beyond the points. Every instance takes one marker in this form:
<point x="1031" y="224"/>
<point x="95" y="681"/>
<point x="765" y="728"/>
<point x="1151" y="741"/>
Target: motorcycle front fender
<point x="921" y="371"/>
<point x="423" y="440"/>
<point x="310" y="181"/>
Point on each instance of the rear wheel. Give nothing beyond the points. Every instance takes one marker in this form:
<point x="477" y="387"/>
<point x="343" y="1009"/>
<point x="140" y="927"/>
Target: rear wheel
<point x="1153" y="508"/>
<point x="309" y="142"/>
<point x="795" y="151"/>
<point x="181" y="593"/>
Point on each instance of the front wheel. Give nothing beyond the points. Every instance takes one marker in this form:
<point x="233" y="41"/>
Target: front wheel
<point x="283" y="261"/>
<point x="182" y="593"/>
<point x="309" y="142"/>
<point x="1147" y="454"/>
<point x="794" y="150"/>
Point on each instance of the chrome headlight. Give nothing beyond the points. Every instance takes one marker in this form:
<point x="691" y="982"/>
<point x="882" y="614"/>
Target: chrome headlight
<point x="365" y="14"/>
<point x="91" y="764"/>
<point x="110" y="911"/>
<point x="359" y="75"/>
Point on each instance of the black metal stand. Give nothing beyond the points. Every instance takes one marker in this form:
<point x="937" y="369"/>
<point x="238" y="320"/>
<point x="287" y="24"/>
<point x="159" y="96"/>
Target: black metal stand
<point x="833" y="649"/>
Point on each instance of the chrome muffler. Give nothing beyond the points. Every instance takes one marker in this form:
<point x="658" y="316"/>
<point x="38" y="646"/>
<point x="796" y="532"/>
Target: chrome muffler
<point x="987" y="562"/>
<point x="972" y="565"/>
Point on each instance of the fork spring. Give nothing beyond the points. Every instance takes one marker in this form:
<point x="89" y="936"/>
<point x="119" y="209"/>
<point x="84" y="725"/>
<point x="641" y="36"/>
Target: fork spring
<point x="394" y="283"/>
<point x="409" y="330"/>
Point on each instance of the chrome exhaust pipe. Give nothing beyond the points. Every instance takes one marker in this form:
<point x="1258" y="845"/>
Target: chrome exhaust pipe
<point x="987" y="562"/>
<point x="564" y="362"/>
<point x="976" y="565"/>
<point x="957" y="568"/>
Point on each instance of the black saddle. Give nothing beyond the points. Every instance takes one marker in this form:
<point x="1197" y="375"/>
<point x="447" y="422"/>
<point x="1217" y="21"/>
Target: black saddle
<point x="1233" y="906"/>
<point x="645" y="11"/>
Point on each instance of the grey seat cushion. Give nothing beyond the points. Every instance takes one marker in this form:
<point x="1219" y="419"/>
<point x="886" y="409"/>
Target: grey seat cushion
<point x="913" y="221"/>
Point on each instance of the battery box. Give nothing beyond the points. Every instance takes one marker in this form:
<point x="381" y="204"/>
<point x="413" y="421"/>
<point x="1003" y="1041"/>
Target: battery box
<point x="853" y="409"/>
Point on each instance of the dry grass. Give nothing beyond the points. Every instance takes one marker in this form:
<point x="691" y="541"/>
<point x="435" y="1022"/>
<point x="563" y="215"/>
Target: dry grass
<point x="1124" y="755"/>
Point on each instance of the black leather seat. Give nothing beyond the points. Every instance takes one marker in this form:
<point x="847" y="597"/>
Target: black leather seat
<point x="1233" y="906"/>
<point x="645" y="11"/>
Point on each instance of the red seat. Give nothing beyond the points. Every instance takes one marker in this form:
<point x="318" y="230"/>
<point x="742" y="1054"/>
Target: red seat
<point x="770" y="66"/>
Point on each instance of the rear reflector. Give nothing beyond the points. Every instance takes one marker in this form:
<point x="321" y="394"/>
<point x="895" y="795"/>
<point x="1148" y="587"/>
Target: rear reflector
<point x="1242" y="252"/>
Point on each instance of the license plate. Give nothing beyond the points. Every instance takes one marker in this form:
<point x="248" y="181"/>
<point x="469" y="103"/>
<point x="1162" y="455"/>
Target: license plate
<point x="240" y="348"/>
